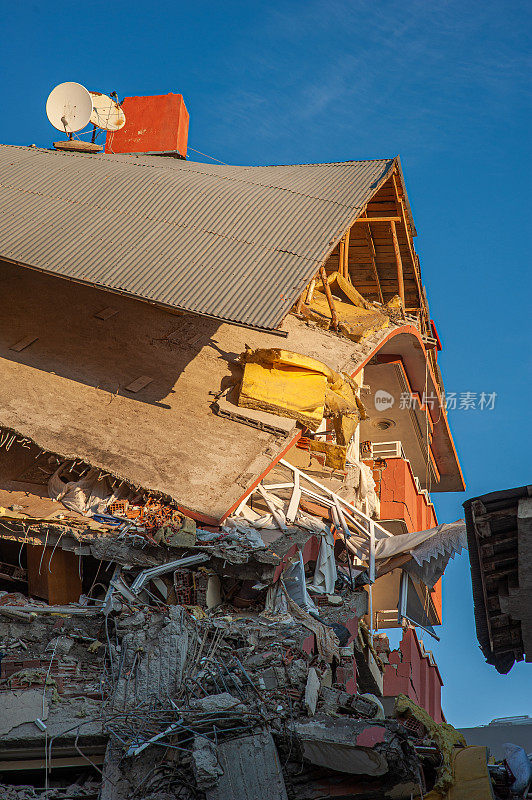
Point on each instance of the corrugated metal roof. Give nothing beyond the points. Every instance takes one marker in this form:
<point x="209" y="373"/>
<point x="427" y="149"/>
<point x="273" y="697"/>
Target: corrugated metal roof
<point x="236" y="243"/>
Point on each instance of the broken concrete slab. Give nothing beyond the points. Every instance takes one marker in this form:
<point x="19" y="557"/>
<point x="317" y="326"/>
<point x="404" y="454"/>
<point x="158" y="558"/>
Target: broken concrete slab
<point x="254" y="417"/>
<point x="149" y="438"/>
<point x="153" y="656"/>
<point x="16" y="708"/>
<point x="251" y="769"/>
<point x="333" y="743"/>
<point x="368" y="670"/>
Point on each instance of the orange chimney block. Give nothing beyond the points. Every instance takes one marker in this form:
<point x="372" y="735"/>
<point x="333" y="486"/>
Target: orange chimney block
<point x="154" y="124"/>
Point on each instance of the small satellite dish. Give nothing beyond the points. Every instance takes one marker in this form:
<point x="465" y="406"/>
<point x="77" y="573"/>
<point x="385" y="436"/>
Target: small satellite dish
<point x="69" y="107"/>
<point x="106" y="113"/>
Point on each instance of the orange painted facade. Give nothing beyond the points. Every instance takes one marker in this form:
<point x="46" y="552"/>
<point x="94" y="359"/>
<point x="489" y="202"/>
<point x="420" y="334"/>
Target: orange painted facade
<point x="413" y="672"/>
<point x="400" y="499"/>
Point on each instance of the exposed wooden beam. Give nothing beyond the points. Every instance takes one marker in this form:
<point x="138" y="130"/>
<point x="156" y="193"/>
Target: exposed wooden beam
<point x="373" y="254"/>
<point x="403" y="219"/>
<point x="346" y="254"/>
<point x="378" y="219"/>
<point x="400" y="279"/>
<point x="328" y="295"/>
<point x="425" y="318"/>
<point x="310" y="292"/>
<point x="409" y="240"/>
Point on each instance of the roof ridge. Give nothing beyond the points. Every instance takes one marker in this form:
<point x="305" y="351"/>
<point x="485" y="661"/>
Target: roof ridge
<point x="320" y="163"/>
<point x="178" y="162"/>
<point x="177" y="166"/>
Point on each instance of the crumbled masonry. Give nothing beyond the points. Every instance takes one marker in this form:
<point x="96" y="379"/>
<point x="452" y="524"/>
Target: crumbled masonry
<point x="191" y="646"/>
<point x="158" y="675"/>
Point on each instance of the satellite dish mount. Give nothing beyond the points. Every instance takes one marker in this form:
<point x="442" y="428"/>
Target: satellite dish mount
<point x="70" y="108"/>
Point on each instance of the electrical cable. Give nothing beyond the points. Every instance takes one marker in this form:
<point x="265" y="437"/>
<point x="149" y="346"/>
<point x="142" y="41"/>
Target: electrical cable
<point x="208" y="156"/>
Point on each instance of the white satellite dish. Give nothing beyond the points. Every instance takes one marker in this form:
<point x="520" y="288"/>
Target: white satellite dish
<point x="106" y="113"/>
<point x="69" y="107"/>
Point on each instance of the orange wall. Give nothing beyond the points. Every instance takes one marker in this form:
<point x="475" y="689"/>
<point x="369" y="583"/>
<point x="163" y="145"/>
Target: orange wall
<point x="400" y="499"/>
<point x="436" y="595"/>
<point x="411" y="672"/>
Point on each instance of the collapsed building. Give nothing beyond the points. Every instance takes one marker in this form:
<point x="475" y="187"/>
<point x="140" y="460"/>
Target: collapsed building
<point x="499" y="532"/>
<point x="222" y="419"/>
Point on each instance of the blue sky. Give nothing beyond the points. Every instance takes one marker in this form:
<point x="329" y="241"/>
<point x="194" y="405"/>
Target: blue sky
<point x="445" y="85"/>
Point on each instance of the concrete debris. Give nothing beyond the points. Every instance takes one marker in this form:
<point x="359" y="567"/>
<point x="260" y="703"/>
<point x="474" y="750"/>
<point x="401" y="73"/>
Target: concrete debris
<point x="228" y="660"/>
<point x="311" y="691"/>
<point x="76" y="791"/>
<point x="19" y="707"/>
<point x="358" y="748"/>
<point x="334" y="600"/>
<point x="206" y="763"/>
<point x="378" y="709"/>
<point x="218" y="702"/>
<point x="219" y="667"/>
<point x="251" y="769"/>
<point x="152" y="656"/>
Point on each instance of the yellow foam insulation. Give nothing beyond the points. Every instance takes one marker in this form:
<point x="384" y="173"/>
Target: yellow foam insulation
<point x="344" y="428"/>
<point x="302" y="388"/>
<point x="357" y="317"/>
<point x="341" y="398"/>
<point x="471" y="780"/>
<point x="276" y="356"/>
<point x="444" y="736"/>
<point x="335" y="454"/>
<point x="394" y="305"/>
<point x="286" y="391"/>
<point x="345" y="409"/>
<point x="340" y="286"/>
<point x="353" y="321"/>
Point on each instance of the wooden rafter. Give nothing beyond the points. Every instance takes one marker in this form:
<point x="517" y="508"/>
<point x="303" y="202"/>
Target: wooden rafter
<point x="413" y="255"/>
<point x="328" y="295"/>
<point x="373" y="256"/>
<point x="346" y="255"/>
<point x="409" y="241"/>
<point x="378" y="219"/>
<point x="399" y="262"/>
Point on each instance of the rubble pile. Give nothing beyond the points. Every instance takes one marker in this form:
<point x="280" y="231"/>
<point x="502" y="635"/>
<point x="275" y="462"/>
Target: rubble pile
<point x="203" y="658"/>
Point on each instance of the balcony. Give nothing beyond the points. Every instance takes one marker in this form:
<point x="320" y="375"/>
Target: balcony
<point x="404" y="506"/>
<point x="396" y="410"/>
